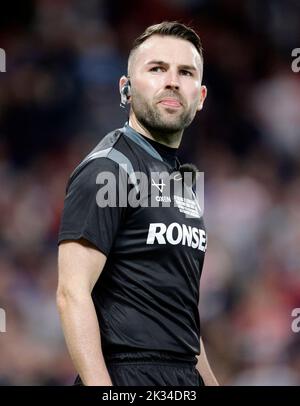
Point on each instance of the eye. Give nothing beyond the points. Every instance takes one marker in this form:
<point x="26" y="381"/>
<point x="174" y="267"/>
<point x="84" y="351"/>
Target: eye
<point x="186" y="72"/>
<point x="157" y="69"/>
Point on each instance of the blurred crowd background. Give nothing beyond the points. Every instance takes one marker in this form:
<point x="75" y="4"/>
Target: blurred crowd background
<point x="59" y="97"/>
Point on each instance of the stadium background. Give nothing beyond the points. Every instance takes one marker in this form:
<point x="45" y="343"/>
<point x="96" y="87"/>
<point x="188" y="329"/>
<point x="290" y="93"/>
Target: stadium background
<point x="60" y="95"/>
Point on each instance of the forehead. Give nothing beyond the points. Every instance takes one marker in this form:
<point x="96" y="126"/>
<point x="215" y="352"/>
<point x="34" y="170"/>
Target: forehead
<point x="168" y="49"/>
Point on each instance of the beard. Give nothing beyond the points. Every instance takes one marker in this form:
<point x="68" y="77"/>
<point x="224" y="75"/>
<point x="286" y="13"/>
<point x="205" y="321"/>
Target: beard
<point x="152" y="117"/>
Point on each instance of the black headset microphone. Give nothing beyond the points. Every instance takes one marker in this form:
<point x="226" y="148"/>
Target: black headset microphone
<point x="186" y="169"/>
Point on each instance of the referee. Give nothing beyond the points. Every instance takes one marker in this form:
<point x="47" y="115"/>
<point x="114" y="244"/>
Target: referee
<point x="129" y="274"/>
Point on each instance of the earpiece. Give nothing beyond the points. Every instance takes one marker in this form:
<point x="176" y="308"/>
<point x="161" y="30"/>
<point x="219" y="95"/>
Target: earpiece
<point x="125" y="93"/>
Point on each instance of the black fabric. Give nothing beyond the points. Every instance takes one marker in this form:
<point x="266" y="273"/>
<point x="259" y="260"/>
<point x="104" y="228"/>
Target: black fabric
<point x="147" y="295"/>
<point x="82" y="217"/>
<point x="151" y="369"/>
<point x="168" y="154"/>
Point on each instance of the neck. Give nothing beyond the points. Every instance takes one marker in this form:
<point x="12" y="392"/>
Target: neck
<point x="170" y="140"/>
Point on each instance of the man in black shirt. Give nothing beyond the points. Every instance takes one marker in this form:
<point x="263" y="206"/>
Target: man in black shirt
<point x="131" y="252"/>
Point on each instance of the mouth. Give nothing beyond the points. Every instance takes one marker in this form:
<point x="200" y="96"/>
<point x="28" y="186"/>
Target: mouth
<point x="170" y="102"/>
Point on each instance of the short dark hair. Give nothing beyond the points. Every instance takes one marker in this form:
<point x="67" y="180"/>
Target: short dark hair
<point x="171" y="29"/>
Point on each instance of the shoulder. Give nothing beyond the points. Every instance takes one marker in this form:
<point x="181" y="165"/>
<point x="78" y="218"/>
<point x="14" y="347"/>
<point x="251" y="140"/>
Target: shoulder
<point x="112" y="154"/>
<point x="97" y="160"/>
<point x="85" y="178"/>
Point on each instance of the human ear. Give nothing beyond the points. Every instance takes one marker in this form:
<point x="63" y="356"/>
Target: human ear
<point x="203" y="94"/>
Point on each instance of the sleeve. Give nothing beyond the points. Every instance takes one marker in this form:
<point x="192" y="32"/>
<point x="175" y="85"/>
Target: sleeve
<point x="84" y="214"/>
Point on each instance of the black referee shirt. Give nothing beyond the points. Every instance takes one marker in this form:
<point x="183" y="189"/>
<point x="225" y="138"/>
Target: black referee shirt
<point x="146" y="297"/>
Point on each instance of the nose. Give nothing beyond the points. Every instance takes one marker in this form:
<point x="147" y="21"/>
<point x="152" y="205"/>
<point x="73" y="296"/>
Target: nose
<point x="172" y="80"/>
